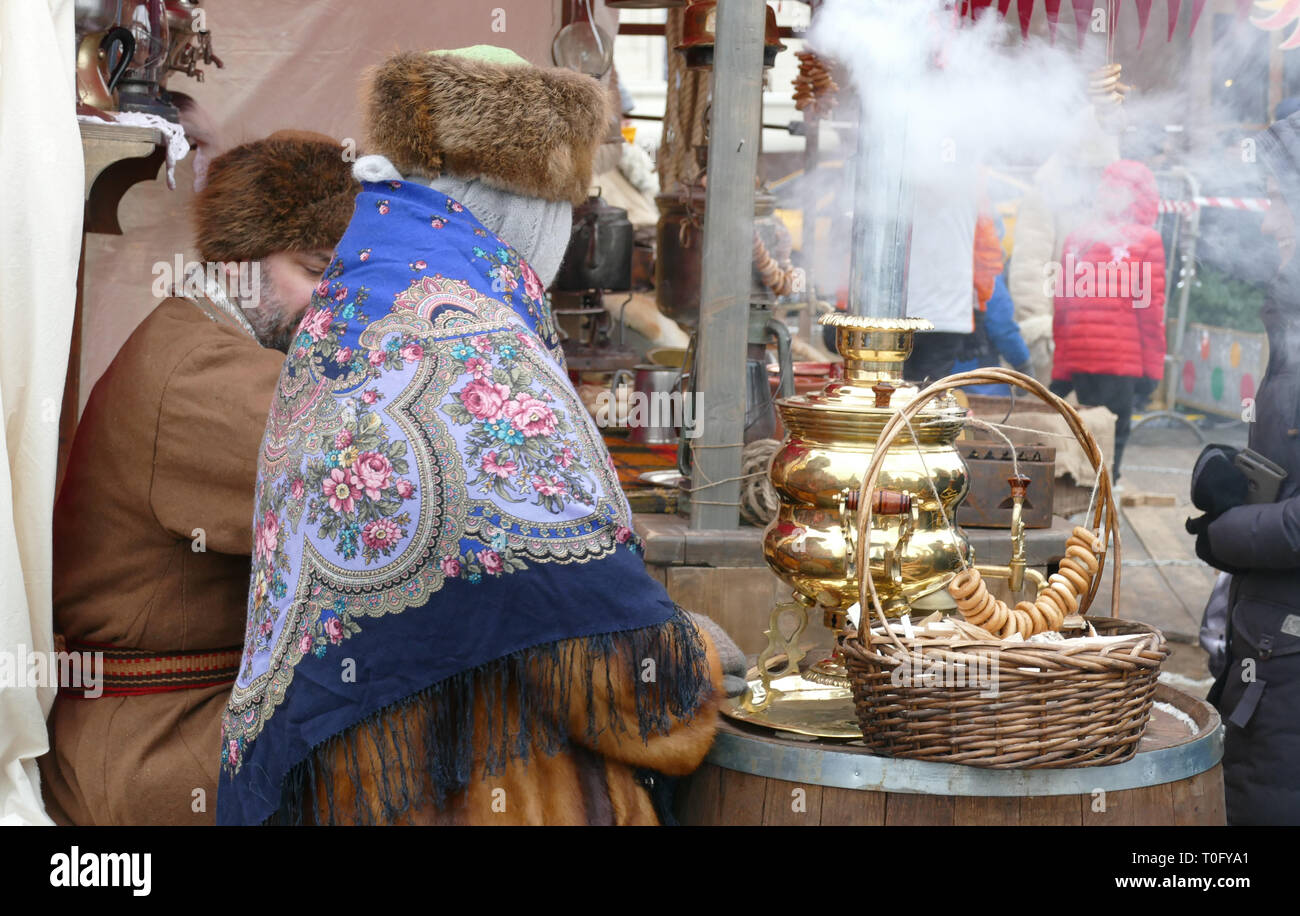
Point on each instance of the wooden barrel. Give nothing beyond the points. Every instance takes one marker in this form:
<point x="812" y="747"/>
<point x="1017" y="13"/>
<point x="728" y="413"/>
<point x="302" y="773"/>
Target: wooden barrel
<point x="757" y="777"/>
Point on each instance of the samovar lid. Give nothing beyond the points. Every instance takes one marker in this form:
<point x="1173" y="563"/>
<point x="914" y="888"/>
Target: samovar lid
<point x="872" y="389"/>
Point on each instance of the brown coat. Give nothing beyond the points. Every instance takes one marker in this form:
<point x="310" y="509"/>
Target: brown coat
<point x="168" y="444"/>
<point x="586" y="784"/>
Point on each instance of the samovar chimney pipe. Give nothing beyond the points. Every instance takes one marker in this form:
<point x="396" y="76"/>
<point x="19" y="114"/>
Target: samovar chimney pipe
<point x="882" y="216"/>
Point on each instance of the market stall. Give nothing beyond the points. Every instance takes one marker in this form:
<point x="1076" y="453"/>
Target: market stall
<point x="847" y="555"/>
<point x="924" y="569"/>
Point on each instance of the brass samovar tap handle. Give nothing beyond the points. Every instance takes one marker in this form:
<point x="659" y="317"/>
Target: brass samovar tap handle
<point x="894" y="553"/>
<point x="848" y="501"/>
<point x="1019" y="485"/>
<point x="1018" y="569"/>
<point x="778" y="645"/>
<point x="884" y="503"/>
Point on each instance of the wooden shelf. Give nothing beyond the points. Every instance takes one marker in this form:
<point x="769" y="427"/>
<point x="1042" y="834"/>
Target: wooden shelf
<point x="117" y="157"/>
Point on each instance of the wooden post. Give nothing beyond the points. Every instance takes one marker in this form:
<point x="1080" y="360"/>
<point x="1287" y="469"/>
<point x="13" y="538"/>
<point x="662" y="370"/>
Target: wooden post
<point x="723" y="328"/>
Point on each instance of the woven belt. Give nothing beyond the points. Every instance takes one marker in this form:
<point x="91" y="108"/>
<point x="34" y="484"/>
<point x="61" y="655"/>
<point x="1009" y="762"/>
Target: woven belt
<point x="132" y="672"/>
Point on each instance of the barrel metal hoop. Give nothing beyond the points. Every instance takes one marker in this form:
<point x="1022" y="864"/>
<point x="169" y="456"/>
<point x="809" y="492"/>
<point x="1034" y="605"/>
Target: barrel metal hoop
<point x="824" y="765"/>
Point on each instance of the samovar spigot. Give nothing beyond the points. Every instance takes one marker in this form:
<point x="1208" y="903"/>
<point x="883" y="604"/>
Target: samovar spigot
<point x="1017" y="570"/>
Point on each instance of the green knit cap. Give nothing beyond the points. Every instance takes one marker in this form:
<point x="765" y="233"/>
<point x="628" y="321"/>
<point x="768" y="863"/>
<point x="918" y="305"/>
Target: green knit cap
<point x="489" y="53"/>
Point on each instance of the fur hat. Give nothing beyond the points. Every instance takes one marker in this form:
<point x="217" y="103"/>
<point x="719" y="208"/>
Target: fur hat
<point x="292" y="191"/>
<point x="486" y="113"/>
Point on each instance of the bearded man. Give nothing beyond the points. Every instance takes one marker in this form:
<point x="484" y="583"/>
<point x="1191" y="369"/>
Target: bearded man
<point x="151" y="527"/>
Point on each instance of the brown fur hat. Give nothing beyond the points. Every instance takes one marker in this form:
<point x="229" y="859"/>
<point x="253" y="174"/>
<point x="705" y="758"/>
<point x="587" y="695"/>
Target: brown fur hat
<point x="292" y="191"/>
<point x="524" y="129"/>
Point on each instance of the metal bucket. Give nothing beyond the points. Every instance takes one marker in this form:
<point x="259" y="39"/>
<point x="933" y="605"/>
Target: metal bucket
<point x="655" y="415"/>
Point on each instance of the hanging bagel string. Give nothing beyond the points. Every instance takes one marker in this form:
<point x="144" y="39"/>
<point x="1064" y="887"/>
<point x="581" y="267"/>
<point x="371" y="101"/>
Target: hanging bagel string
<point x="1105" y="526"/>
<point x="813" y="86"/>
<point x="778" y="277"/>
<point x="1054" y="602"/>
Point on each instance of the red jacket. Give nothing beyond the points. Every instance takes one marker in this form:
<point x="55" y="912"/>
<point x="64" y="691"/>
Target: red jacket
<point x="1110" y="293"/>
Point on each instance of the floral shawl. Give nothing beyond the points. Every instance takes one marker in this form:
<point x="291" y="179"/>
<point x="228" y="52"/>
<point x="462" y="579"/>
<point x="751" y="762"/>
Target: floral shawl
<point x="436" y="514"/>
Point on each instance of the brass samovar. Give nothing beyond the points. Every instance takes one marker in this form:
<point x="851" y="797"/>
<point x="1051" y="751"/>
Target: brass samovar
<point x="915" y="548"/>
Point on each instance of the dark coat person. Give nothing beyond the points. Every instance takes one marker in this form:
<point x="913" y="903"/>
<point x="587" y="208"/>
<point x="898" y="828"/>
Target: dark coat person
<point x="1258" y="693"/>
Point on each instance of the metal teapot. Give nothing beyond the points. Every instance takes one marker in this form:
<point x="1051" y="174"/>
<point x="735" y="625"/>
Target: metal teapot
<point x="96" y="58"/>
<point x="599" y="255"/>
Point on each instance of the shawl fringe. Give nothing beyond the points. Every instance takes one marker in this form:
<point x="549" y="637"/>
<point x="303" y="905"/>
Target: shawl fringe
<point x="428" y="742"/>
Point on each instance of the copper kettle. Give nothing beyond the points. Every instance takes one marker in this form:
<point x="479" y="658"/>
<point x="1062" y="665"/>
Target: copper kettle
<point x="98" y="69"/>
<point x="699" y="21"/>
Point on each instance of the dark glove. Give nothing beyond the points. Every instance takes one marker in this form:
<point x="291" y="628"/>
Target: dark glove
<point x="734" y="665"/>
<point x="1217" y="483"/>
<point x="1024" y="369"/>
<point x="1200" y="527"/>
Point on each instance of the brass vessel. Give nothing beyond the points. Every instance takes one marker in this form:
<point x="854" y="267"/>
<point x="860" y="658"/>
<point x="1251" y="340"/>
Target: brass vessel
<point x="831" y="436"/>
<point x="915" y="549"/>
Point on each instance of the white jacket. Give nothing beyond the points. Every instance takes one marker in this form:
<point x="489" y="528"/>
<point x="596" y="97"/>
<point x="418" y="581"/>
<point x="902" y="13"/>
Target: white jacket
<point x="940" y="271"/>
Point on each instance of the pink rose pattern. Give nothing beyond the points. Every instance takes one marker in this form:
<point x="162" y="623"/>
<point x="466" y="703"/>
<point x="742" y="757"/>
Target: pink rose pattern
<point x="522" y="447"/>
<point x="334" y="630"/>
<point x="357" y="488"/>
<point x="531" y="416"/>
<point x="269" y="574"/>
<point x="483" y="399"/>
<point x="266" y="536"/>
<point x="532" y="283"/>
<point x="519" y="444"/>
<point x="491" y="561"/>
<point x="505" y="271"/>
<point x="372" y="472"/>
<point x="317" y="323"/>
<point x="334" y="306"/>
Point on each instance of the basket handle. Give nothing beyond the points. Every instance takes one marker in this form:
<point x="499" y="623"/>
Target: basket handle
<point x="1104" y="513"/>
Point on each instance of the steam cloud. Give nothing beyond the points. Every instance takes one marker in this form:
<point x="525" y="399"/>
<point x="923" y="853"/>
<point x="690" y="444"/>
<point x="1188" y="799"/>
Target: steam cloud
<point x="974" y="97"/>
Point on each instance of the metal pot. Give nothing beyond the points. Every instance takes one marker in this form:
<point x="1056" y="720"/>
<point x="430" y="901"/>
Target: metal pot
<point x="680" y="249"/>
<point x="99" y="53"/>
<point x="699" y="21"/>
<point x="140" y="88"/>
<point x="599" y="255"/>
<point x="654" y="416"/>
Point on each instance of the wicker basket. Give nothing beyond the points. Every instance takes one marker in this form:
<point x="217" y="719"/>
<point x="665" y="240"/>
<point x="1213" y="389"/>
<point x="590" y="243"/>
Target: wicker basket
<point x="997" y="703"/>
